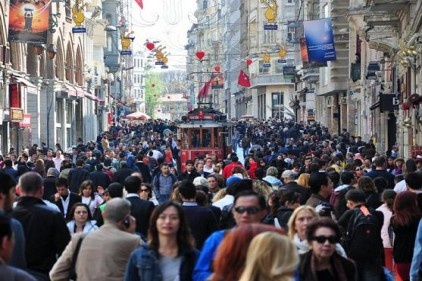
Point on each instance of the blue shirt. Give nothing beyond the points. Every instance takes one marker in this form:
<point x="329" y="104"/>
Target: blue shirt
<point x="203" y="268"/>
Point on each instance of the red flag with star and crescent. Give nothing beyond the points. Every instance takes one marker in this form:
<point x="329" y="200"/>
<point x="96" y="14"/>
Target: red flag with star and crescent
<point x="203" y="92"/>
<point x="140" y="3"/>
<point x="243" y="79"/>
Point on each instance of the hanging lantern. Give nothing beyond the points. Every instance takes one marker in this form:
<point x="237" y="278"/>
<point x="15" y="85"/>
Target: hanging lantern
<point x="200" y="55"/>
<point x="282" y="53"/>
<point x="248" y="62"/>
<point x="405" y="105"/>
<point x="150" y="46"/>
<point x="217" y="68"/>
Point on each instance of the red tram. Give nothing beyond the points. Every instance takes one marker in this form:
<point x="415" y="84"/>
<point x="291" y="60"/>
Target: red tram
<point x="204" y="131"/>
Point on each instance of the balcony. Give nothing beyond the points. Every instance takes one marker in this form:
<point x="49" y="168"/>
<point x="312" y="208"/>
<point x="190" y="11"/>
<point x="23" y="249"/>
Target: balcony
<point x="270" y="80"/>
<point x="310" y="75"/>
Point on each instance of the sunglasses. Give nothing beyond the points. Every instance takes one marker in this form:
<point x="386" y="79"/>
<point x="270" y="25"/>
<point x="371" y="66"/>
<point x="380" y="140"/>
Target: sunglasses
<point x="81" y="212"/>
<point x="249" y="210"/>
<point x="144" y="190"/>
<point x="322" y="239"/>
<point x="358" y="169"/>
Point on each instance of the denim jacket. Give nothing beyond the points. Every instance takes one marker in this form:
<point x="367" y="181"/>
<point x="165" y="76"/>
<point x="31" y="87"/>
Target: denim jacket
<point x="144" y="264"/>
<point x="416" y="265"/>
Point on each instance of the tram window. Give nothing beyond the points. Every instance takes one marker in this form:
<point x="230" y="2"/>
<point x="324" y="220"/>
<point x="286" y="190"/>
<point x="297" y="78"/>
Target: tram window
<point x="185" y="138"/>
<point x="216" y="135"/>
<point x="195" y="138"/>
<point x="206" y="138"/>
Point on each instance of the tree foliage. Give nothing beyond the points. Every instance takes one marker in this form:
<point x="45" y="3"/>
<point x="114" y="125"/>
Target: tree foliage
<point x="154" y="90"/>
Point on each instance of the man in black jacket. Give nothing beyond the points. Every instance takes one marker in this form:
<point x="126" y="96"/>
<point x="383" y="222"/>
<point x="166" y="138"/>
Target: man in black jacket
<point x="201" y="220"/>
<point x="122" y="173"/>
<point x="65" y="199"/>
<point x="190" y="174"/>
<point x="99" y="178"/>
<point x="77" y="176"/>
<point x="140" y="209"/>
<point x="46" y="234"/>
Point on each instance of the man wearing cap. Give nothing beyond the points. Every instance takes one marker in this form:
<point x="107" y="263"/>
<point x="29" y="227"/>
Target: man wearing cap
<point x="288" y="177"/>
<point x="228" y="198"/>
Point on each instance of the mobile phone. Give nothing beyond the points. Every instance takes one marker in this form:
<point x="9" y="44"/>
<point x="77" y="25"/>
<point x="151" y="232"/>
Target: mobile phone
<point x="126" y="222"/>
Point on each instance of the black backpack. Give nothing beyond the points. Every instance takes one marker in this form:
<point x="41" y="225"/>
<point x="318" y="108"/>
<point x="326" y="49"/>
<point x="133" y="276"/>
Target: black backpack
<point x="338" y="201"/>
<point x="362" y="240"/>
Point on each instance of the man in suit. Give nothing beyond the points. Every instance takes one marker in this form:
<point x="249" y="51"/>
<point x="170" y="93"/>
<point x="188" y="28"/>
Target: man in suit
<point x="77" y="176"/>
<point x="64" y="199"/>
<point x="45" y="230"/>
<point x="140" y="209"/>
<point x="110" y="247"/>
<point x="201" y="220"/>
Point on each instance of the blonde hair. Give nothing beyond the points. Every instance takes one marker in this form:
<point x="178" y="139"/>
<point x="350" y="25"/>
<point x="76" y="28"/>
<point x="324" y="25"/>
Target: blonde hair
<point x="219" y="195"/>
<point x="271" y="257"/>
<point x="303" y="180"/>
<point x="291" y="223"/>
<point x="262" y="188"/>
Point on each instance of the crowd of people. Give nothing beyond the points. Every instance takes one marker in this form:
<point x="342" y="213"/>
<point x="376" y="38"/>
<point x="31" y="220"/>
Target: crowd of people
<point x="303" y="205"/>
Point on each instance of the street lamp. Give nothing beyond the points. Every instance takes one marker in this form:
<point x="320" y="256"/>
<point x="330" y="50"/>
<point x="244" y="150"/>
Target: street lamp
<point x="51" y="51"/>
<point x="39" y="49"/>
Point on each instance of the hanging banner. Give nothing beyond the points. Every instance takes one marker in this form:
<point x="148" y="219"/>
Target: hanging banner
<point x="305" y="56"/>
<point x="320" y="40"/>
<point x="29" y="21"/>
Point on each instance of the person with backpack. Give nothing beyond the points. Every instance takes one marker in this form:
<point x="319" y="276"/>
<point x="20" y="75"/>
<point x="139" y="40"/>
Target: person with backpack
<point x="362" y="239"/>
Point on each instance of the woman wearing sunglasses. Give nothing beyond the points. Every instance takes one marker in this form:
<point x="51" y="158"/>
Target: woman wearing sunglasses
<point x="322" y="262"/>
<point x="298" y="226"/>
<point x="145" y="193"/>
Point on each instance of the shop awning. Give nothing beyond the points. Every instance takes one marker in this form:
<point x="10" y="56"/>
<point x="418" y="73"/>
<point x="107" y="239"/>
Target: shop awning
<point x="25" y="82"/>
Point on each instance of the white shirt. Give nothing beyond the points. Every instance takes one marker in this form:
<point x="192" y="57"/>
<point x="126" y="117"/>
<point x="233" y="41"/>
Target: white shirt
<point x="384" y="230"/>
<point x="226" y="200"/>
<point x="400" y="186"/>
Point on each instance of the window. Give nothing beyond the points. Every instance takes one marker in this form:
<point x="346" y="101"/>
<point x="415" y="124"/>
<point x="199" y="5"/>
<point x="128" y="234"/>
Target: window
<point x="204" y="4"/>
<point x="289" y="1"/>
<point x="262" y="69"/>
<point x="270" y="36"/>
<point x="278" y="66"/>
<point x="291" y="34"/>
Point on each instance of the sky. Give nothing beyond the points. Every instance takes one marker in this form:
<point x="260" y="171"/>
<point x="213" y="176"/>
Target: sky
<point x="166" y="21"/>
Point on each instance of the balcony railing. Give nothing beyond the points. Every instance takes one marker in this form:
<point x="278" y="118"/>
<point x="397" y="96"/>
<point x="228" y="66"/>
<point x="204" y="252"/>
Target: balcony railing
<point x="268" y="80"/>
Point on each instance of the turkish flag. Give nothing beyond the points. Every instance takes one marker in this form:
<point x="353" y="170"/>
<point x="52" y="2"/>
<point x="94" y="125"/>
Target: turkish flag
<point x="203" y="92"/>
<point x="139" y="2"/>
<point x="243" y="79"/>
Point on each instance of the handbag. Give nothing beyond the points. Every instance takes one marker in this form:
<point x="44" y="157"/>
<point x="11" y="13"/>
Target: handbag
<point x="72" y="271"/>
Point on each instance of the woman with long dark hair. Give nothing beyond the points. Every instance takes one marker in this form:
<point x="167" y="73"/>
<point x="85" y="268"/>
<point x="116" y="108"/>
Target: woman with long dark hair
<point x="405" y="225"/>
<point x="170" y="253"/>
